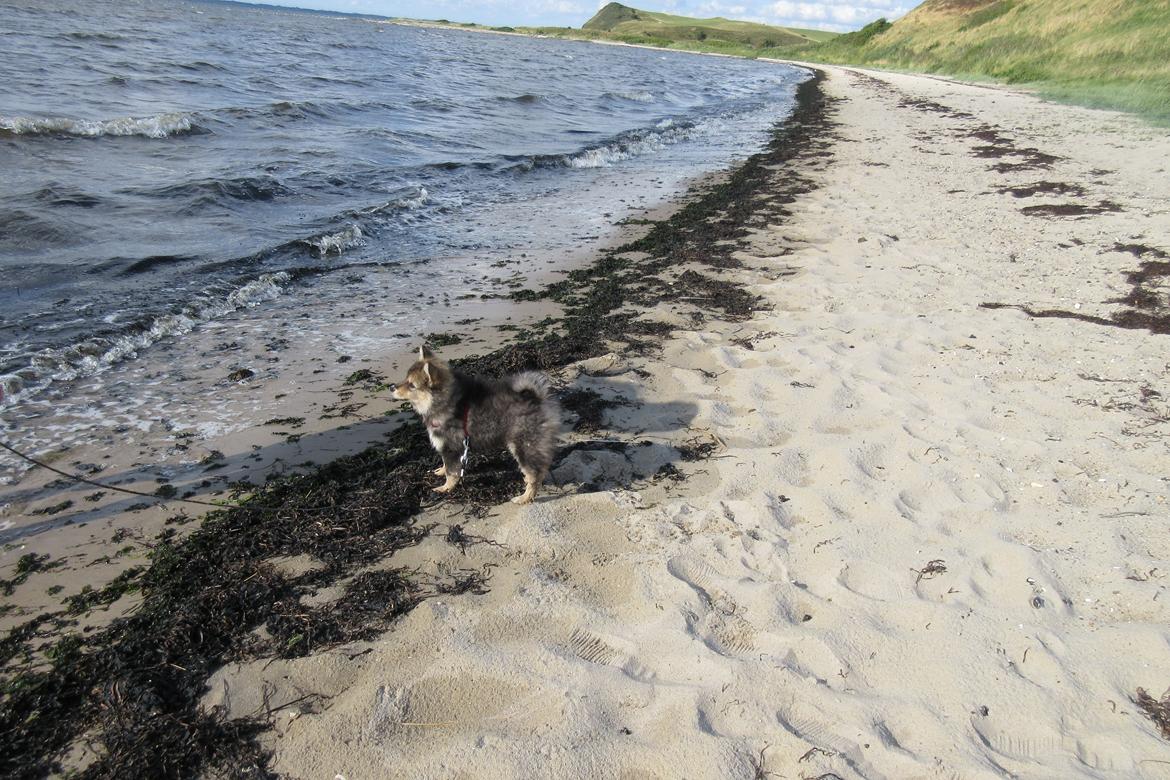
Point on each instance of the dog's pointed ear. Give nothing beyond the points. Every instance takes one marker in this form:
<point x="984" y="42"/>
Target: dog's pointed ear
<point x="427" y="372"/>
<point x="424" y="353"/>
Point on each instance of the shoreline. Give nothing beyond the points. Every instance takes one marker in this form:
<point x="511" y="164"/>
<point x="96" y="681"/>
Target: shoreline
<point x="873" y="490"/>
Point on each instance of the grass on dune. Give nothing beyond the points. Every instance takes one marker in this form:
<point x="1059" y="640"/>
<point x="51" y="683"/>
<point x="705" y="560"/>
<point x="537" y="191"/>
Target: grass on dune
<point x="1106" y="53"/>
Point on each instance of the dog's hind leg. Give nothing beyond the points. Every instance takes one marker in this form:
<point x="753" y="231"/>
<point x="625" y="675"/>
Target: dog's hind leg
<point x="532" y="481"/>
<point x="450" y="469"/>
<point x="533" y="471"/>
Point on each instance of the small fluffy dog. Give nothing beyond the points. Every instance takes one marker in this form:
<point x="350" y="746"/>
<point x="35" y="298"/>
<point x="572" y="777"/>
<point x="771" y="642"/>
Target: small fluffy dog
<point x="461" y="411"/>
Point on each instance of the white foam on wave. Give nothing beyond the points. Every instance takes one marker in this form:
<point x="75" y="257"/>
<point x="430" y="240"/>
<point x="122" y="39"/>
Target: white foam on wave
<point x="664" y="134"/>
<point x="637" y="96"/>
<point x="88" y="358"/>
<point x="416" y="199"/>
<point x="336" y="243"/>
<point x="160" y="126"/>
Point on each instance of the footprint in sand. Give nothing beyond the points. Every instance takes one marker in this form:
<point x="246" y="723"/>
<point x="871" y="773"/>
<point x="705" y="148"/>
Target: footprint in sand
<point x="452" y="701"/>
<point x="1041" y="666"/>
<point x="388" y="712"/>
<point x="805" y="722"/>
<point x="870" y="461"/>
<point x="872" y="581"/>
<point x="909" y="504"/>
<point x="1022" y="738"/>
<point x="814" y="660"/>
<point x="716" y="623"/>
<point x="588" y="646"/>
<point x="1101" y="752"/>
<point x="792" y="466"/>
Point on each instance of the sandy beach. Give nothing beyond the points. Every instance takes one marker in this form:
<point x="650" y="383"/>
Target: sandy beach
<point x="901" y="515"/>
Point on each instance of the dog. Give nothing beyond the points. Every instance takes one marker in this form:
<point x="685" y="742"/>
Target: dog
<point x="461" y="412"/>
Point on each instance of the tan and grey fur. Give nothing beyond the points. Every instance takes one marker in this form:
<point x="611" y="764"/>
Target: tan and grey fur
<point x="515" y="412"/>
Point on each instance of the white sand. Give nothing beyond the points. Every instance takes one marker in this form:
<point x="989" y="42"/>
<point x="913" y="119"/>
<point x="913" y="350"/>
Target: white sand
<point x="767" y="617"/>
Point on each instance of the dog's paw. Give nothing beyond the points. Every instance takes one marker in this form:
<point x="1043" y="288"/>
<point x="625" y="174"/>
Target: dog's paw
<point x="443" y="488"/>
<point x="441" y="471"/>
<point x="522" y="499"/>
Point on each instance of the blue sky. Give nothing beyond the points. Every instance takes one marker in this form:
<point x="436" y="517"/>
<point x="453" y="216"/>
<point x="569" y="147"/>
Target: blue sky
<point x="839" y="15"/>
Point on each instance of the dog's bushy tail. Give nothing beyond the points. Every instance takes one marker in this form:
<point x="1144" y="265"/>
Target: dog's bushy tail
<point x="532" y="382"/>
<point x="536" y="386"/>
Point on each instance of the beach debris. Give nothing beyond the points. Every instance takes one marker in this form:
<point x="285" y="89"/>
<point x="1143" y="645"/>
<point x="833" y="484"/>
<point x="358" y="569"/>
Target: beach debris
<point x="1146" y="304"/>
<point x="1155" y="710"/>
<point x="757" y="763"/>
<point x="930" y="570"/>
<point x="439" y="340"/>
<point x="749" y="342"/>
<point x="699" y="448"/>
<point x="669" y="471"/>
<point x="1070" y="209"/>
<point x="27" y="564"/>
<point x="458" y="537"/>
<point x="292" y="422"/>
<point x="361" y="375"/>
<point x="824" y="542"/>
<point x="54" y="509"/>
<point x="814" y="751"/>
<point x="610" y="364"/>
<point x="589" y="406"/>
<point x="1045" y="188"/>
<point x="241" y="374"/>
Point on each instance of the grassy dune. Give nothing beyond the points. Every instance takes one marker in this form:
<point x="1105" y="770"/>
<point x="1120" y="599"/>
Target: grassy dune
<point x="1110" y="53"/>
<point x="619" y="20"/>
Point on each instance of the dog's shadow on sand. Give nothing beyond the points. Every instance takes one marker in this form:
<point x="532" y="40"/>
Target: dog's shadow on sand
<point x="615" y="439"/>
<point x="611" y="438"/>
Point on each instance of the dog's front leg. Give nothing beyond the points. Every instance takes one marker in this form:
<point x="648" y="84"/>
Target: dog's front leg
<point x="450" y="469"/>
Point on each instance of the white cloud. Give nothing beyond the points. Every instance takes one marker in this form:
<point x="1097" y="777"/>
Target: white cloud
<point x="832" y="14"/>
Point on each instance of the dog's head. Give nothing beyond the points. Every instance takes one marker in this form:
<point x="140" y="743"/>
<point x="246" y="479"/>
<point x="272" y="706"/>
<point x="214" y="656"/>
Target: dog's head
<point x="427" y="378"/>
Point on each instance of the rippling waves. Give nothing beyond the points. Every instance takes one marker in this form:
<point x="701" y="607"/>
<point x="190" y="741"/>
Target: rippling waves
<point x="170" y="163"/>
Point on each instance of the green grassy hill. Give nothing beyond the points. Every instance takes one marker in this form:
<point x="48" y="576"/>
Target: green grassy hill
<point x="619" y="20"/>
<point x="1113" y="53"/>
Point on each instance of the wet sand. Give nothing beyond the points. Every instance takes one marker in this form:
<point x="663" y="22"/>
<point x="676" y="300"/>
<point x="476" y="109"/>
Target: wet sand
<point x="902" y="515"/>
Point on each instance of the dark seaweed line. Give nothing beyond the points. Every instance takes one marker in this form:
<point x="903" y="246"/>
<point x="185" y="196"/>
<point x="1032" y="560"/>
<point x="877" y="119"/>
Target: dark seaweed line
<point x="1146" y="306"/>
<point x="131" y="691"/>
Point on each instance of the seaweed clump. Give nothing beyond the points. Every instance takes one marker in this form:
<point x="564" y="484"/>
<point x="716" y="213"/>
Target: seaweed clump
<point x="132" y="690"/>
<point x="1155" y="710"/>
